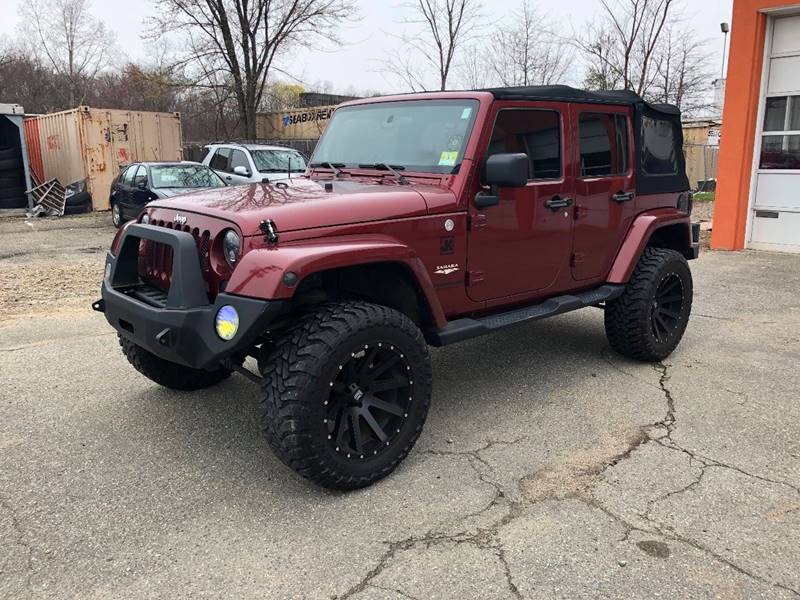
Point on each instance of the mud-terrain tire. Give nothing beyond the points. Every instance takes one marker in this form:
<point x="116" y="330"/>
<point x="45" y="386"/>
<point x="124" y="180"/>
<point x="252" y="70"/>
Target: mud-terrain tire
<point x="12" y="192"/>
<point x="12" y="180"/>
<point x="169" y="374"/>
<point x="647" y="322"/>
<point x="337" y="377"/>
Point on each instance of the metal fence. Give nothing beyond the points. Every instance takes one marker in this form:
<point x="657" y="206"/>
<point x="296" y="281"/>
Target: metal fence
<point x="701" y="166"/>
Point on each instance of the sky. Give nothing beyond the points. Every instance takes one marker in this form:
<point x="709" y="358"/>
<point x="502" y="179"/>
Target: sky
<point x="356" y="65"/>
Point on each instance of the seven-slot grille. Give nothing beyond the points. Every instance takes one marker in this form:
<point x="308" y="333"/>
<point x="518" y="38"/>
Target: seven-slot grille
<point x="155" y="259"/>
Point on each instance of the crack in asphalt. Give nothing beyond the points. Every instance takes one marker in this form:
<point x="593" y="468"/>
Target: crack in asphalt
<point x="487" y="538"/>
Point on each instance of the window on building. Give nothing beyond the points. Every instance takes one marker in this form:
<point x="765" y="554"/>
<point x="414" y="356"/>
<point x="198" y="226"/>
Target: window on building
<point x="536" y="133"/>
<point x="780" y="144"/>
<point x="604" y="144"/>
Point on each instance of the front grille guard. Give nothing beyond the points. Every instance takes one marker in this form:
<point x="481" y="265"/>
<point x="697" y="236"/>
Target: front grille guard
<point x="155" y="259"/>
<point x="185" y="276"/>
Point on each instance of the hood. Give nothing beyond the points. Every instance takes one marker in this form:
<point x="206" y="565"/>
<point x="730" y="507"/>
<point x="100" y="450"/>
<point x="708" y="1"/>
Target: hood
<point x="304" y="203"/>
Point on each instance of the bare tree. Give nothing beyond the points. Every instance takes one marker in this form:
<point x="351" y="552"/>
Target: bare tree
<point x="74" y="43"/>
<point x="526" y="50"/>
<point x="439" y="29"/>
<point x="622" y="45"/>
<point x="682" y="71"/>
<point x="243" y="39"/>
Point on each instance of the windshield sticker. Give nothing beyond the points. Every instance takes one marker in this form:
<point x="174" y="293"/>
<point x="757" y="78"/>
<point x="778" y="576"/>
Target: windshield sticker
<point x="466" y="113"/>
<point x="448" y="159"/>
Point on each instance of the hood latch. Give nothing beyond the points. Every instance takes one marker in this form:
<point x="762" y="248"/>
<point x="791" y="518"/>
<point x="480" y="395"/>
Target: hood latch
<point x="269" y="229"/>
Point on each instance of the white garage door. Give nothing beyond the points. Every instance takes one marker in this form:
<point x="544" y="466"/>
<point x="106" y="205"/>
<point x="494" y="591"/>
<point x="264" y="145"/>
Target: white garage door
<point x="776" y="207"/>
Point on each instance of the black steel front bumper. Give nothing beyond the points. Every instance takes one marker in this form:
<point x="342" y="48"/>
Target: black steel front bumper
<point x="178" y="326"/>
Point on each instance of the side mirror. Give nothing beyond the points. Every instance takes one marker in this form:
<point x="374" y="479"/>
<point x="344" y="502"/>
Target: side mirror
<point x="502" y="170"/>
<point x="240" y="170"/>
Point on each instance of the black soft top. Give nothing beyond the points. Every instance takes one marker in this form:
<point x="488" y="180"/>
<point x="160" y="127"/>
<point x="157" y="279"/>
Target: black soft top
<point x="660" y="163"/>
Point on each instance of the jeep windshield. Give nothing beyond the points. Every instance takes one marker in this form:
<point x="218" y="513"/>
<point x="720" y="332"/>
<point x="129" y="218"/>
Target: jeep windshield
<point x="428" y="136"/>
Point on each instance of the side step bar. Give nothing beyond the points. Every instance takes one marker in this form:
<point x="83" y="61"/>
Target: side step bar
<point x="463" y="329"/>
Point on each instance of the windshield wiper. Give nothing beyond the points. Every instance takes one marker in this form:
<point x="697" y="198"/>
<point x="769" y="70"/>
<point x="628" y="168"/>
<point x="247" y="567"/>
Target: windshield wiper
<point x="335" y="167"/>
<point x="393" y="169"/>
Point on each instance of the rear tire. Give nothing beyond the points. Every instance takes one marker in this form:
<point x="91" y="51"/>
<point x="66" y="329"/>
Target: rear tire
<point x="648" y="321"/>
<point x="346" y="392"/>
<point x="116" y="215"/>
<point x="168" y="374"/>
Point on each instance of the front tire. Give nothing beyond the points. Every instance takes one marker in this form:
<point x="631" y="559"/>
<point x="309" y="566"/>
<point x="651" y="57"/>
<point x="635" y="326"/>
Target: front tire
<point x="648" y="321"/>
<point x="346" y="392"/>
<point x="168" y="374"/>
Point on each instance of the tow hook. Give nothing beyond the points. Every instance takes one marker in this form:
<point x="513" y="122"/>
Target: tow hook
<point x="99" y="305"/>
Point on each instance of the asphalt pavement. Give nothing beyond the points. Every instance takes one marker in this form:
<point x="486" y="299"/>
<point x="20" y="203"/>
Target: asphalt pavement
<point x="549" y="466"/>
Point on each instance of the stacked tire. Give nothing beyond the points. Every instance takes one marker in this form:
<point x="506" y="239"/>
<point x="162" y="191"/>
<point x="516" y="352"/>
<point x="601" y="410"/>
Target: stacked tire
<point x="12" y="179"/>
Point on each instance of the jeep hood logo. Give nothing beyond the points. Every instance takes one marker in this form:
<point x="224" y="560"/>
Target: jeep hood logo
<point x="180" y="219"/>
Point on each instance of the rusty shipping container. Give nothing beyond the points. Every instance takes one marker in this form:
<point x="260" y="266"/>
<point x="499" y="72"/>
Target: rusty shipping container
<point x="86" y="147"/>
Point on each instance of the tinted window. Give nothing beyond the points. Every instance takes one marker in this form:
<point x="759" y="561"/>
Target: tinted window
<point x="141" y="177"/>
<point x="188" y="176"/>
<point x="220" y="159"/>
<point x="238" y="159"/>
<point x="659" y="155"/>
<point x="418" y="135"/>
<point x="127" y="176"/>
<point x="536" y="133"/>
<point x="604" y="144"/>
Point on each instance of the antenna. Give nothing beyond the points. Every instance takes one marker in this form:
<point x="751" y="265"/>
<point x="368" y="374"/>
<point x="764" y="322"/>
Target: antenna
<point x="290" y="166"/>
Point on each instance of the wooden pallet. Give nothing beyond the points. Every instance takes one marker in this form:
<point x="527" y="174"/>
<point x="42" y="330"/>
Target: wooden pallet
<point x="50" y="195"/>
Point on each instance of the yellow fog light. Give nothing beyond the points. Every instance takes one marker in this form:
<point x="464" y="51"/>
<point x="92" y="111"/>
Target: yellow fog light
<point x="227" y="322"/>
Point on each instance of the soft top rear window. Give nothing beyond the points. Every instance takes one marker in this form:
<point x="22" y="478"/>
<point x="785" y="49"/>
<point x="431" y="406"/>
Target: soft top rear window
<point x="658" y="151"/>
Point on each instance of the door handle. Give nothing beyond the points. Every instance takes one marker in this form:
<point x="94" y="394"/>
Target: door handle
<point x="621" y="197"/>
<point x="557" y="203"/>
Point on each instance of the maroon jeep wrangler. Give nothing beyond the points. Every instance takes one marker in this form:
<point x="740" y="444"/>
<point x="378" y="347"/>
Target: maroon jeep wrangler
<point x="423" y="219"/>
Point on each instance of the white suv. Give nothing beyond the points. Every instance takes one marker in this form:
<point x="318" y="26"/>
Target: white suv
<point x="252" y="163"/>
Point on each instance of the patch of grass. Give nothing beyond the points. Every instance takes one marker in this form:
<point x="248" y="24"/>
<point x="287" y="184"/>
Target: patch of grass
<point x="704" y="197"/>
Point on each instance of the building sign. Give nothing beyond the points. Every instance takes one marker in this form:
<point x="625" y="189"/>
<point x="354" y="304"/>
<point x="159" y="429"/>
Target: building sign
<point x="303" y="123"/>
<point x="307" y="116"/>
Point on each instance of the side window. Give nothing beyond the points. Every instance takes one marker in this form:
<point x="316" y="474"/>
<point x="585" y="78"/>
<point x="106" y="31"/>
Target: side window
<point x="658" y="147"/>
<point x="141" y="177"/>
<point x="535" y="132"/>
<point x="604" y="144"/>
<point x="127" y="176"/>
<point x="219" y="162"/>
<point x="239" y="159"/>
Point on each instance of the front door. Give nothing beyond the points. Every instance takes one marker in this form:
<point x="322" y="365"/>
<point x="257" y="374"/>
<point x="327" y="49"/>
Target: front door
<point x="523" y="243"/>
<point x="604" y="187"/>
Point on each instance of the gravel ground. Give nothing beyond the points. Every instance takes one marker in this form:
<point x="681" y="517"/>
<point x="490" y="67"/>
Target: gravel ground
<point x="549" y="467"/>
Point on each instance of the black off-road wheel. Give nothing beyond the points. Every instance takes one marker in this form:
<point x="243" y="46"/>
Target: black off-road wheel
<point x="168" y="374"/>
<point x="346" y="392"/>
<point x="648" y="321"/>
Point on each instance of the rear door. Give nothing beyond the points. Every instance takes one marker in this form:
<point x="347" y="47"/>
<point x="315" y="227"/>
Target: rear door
<point x="604" y="187"/>
<point x="125" y="191"/>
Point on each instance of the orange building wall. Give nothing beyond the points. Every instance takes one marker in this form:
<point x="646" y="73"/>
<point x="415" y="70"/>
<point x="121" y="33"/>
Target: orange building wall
<point x="742" y="91"/>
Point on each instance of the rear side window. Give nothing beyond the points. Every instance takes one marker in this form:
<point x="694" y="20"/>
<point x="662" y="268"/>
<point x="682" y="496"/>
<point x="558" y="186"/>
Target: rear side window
<point x="535" y="132"/>
<point x="659" y="156"/>
<point x="238" y="159"/>
<point x="219" y="162"/>
<point x="604" y="144"/>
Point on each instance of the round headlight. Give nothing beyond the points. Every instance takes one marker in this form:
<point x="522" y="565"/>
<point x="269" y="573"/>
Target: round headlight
<point x="231" y="247"/>
<point x="227" y="322"/>
<point x="145" y="219"/>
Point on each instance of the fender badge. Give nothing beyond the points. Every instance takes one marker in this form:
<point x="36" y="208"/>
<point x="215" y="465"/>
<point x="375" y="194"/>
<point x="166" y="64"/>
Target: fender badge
<point x="447" y="269"/>
<point x="180" y="219"/>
